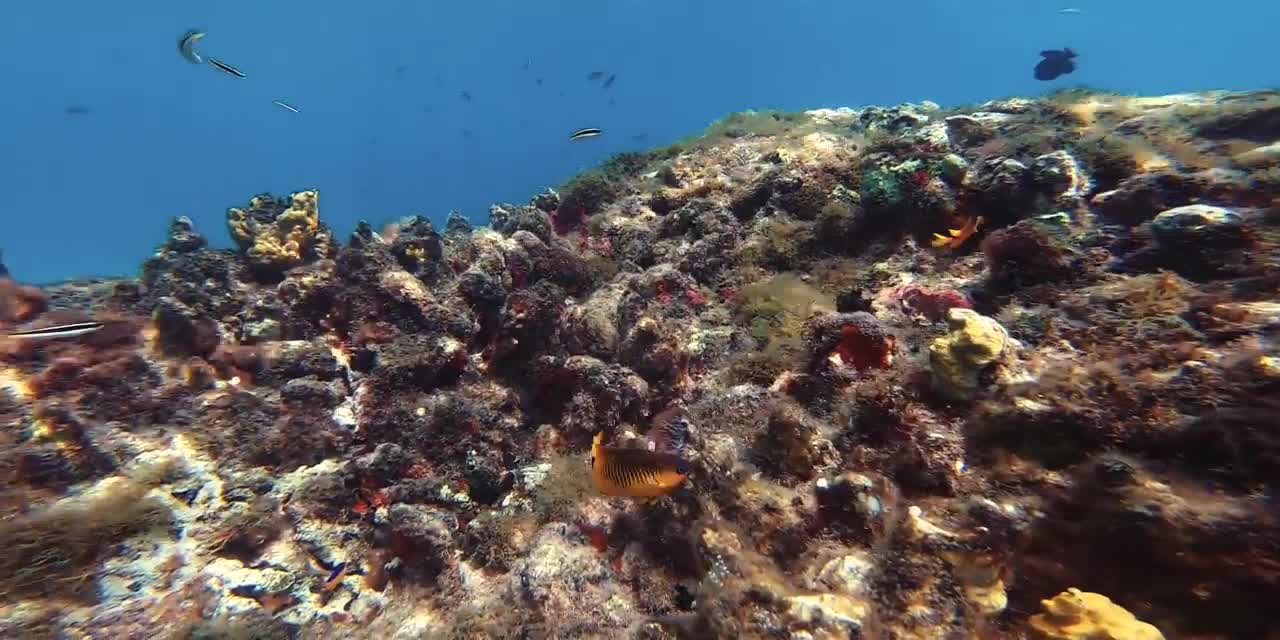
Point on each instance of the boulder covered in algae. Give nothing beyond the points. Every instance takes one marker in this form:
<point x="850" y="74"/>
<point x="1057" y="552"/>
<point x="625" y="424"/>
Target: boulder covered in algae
<point x="938" y="367"/>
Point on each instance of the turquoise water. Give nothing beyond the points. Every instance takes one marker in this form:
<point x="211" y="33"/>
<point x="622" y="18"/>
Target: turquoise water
<point x="106" y="132"/>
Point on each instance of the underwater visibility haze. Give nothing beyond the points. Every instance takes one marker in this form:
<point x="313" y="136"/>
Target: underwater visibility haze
<point x="640" y="319"/>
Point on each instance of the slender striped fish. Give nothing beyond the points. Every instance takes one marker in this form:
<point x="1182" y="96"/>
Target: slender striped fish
<point x="226" y="68"/>
<point x="285" y="105"/>
<point x="58" y="331"/>
<point x="583" y="134"/>
<point x="187" y="46"/>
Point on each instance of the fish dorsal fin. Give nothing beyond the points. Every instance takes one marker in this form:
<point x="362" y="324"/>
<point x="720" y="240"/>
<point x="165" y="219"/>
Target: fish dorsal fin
<point x="670" y="430"/>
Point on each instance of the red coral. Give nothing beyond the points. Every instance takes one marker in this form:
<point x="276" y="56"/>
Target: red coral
<point x="696" y="297"/>
<point x="854" y="340"/>
<point x="861" y="350"/>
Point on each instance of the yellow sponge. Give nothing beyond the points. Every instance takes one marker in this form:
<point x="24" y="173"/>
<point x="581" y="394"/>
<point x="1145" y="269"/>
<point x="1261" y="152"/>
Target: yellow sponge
<point x="1080" y="615"/>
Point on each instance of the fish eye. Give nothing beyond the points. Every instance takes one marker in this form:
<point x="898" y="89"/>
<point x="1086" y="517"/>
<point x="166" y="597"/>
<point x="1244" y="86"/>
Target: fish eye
<point x="682" y="469"/>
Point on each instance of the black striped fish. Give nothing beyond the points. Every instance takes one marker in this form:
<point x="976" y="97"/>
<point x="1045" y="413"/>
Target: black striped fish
<point x="226" y="68"/>
<point x="583" y="134"/>
<point x="57" y="331"/>
<point x="635" y="473"/>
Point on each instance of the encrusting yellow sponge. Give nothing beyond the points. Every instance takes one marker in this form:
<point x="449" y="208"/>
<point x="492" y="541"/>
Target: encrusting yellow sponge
<point x="1080" y="615"/>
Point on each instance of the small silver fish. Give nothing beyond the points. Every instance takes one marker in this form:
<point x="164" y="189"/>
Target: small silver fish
<point x="187" y="46"/>
<point x="58" y="331"/>
<point x="1069" y="10"/>
<point x="226" y="68"/>
<point x="583" y="134"/>
<point x="285" y="105"/>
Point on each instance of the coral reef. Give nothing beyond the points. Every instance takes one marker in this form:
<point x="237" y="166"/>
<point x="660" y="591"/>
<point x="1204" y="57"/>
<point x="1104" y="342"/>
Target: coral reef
<point x="939" y="367"/>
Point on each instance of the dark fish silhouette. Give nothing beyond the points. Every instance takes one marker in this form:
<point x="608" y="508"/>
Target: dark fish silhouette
<point x="609" y="81"/>
<point x="226" y="68"/>
<point x="595" y="75"/>
<point x="465" y="95"/>
<point x="1055" y="62"/>
<point x="77" y="110"/>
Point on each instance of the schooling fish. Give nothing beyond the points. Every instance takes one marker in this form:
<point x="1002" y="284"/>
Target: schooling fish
<point x="226" y="68"/>
<point x="609" y="81"/>
<point x="1056" y="62"/>
<point x="583" y="134"/>
<point x="57" y="331"/>
<point x="187" y="46"/>
<point x="595" y="75"/>
<point x="635" y="473"/>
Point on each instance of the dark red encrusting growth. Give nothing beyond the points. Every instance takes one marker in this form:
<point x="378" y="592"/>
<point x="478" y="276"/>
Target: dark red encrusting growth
<point x="19" y="303"/>
<point x="65" y="452"/>
<point x="892" y="432"/>
<point x="854" y="341"/>
<point x="928" y="303"/>
<point x="585" y="395"/>
<point x="568" y="217"/>
<point x="654" y="352"/>
<point x="376" y="289"/>
<point x="857" y="507"/>
<point x="421" y="362"/>
<point x="662" y="294"/>
<point x="1023" y="254"/>
<point x="183" y="330"/>
<point x="419" y="249"/>
<point x="529" y="324"/>
<point x="459" y="435"/>
<point x="537" y="261"/>
<point x="242" y="427"/>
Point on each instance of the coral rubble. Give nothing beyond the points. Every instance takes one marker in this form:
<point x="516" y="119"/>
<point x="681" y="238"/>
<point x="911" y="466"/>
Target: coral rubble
<point x="939" y="367"/>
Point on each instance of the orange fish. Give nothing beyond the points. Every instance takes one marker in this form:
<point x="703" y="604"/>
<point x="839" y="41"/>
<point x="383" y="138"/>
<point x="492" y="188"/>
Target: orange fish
<point x="958" y="236"/>
<point x="635" y="473"/>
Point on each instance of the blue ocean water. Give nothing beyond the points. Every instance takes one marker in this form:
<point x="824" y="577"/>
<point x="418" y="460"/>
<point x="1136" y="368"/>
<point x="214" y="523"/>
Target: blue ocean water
<point x="106" y="132"/>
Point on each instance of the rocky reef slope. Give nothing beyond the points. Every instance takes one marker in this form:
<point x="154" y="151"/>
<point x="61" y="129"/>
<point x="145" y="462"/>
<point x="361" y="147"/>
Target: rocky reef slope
<point x="1003" y="371"/>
